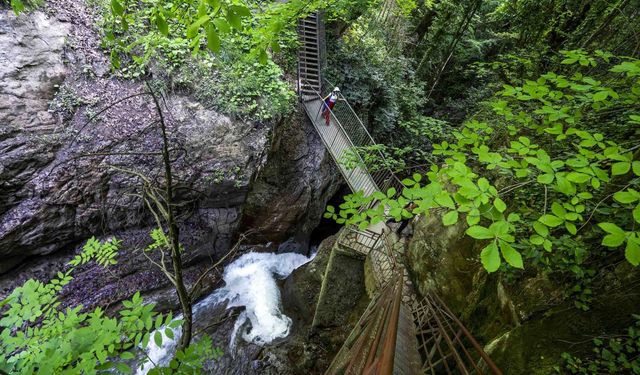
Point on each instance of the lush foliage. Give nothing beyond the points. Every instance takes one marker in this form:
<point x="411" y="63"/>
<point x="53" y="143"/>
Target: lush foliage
<point x="619" y="355"/>
<point x="38" y="336"/>
<point x="20" y="6"/>
<point x="551" y="153"/>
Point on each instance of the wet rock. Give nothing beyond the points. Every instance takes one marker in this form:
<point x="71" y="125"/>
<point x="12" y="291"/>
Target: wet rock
<point x="526" y="323"/>
<point x="342" y="288"/>
<point x="31" y="67"/>
<point x="58" y="186"/>
<point x="290" y="193"/>
<point x="302" y="287"/>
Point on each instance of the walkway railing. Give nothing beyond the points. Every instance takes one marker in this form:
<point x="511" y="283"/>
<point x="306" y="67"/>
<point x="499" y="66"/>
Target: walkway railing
<point x="422" y="333"/>
<point x="350" y="144"/>
<point x="363" y="142"/>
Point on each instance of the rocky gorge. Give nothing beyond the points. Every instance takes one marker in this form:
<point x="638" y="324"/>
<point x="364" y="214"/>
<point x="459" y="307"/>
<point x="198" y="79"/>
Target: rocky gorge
<point x="81" y="146"/>
<point x="73" y="139"/>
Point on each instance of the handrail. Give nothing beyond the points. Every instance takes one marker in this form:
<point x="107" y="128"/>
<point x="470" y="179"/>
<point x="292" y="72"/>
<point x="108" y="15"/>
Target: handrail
<point x="371" y="142"/>
<point x="339" y="124"/>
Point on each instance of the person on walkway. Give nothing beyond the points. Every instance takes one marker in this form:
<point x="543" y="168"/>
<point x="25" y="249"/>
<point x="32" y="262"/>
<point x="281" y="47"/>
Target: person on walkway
<point x="330" y="101"/>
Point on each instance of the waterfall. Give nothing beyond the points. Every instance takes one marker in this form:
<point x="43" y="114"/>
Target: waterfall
<point x="250" y="282"/>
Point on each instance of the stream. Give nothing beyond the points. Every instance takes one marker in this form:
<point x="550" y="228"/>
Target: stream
<point x="250" y="282"/>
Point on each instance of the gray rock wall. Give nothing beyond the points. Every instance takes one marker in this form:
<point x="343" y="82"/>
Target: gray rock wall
<point x="64" y="178"/>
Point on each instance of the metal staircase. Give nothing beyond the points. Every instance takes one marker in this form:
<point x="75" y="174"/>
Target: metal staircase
<point x="309" y="63"/>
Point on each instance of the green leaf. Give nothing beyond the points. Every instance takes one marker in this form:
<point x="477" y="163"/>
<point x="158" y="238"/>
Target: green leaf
<point x="222" y="25"/>
<point x="620" y="168"/>
<point x="123" y="368"/>
<point x="241" y="10"/>
<point x="564" y="185"/>
<point x="546" y="178"/>
<point x="162" y="24"/>
<point x="541" y="229"/>
<point x="234" y="20"/>
<point x="636" y="167"/>
<point x="263" y="58"/>
<point x="479" y="232"/>
<point x="613" y="240"/>
<point x="636" y="213"/>
<point x="213" y="40"/>
<point x="117" y="8"/>
<point x="536" y="239"/>
<point x="632" y="251"/>
<point x="444" y="199"/>
<point x="169" y="333"/>
<point x="611" y="228"/>
<point x="157" y="338"/>
<point x="490" y="257"/>
<point x="511" y="255"/>
<point x="126" y="356"/>
<point x="600" y="96"/>
<point x="570" y="227"/>
<point x="625" y="197"/>
<point x="578" y="178"/>
<point x="450" y="218"/>
<point x="550" y="220"/>
<point x="193" y="29"/>
<point x="499" y="204"/>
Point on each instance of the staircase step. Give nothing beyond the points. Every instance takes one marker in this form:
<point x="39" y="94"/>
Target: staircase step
<point x="309" y="70"/>
<point x="308" y="62"/>
<point x="310" y="53"/>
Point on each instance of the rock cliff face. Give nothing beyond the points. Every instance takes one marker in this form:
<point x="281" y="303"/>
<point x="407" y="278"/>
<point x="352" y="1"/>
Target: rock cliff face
<point x="526" y="324"/>
<point x="73" y="138"/>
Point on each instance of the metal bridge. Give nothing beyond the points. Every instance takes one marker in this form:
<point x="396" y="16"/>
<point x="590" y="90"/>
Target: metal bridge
<point x="400" y="332"/>
<point x="344" y="135"/>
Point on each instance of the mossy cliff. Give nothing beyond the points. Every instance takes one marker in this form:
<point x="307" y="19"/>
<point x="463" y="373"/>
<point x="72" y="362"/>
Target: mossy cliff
<point x="525" y="324"/>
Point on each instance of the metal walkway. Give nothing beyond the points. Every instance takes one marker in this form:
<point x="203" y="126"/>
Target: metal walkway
<point x="399" y="332"/>
<point x="345" y="133"/>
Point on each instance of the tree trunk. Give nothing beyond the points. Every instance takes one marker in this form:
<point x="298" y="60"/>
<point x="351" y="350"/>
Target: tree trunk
<point x="174" y="235"/>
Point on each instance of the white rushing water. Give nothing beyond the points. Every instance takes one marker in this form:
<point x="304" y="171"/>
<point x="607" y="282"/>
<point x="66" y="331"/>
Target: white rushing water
<point x="250" y="281"/>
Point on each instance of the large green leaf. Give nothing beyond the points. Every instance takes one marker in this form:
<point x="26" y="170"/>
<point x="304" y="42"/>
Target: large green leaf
<point x="613" y="240"/>
<point x="620" y="168"/>
<point x="162" y="24"/>
<point x="611" y="228"/>
<point x="510" y="254"/>
<point x="578" y="177"/>
<point x="450" y="218"/>
<point x="490" y="257"/>
<point x="444" y="199"/>
<point x="222" y="25"/>
<point x="479" y="232"/>
<point x="117" y="8"/>
<point x="545" y="178"/>
<point x="626" y="196"/>
<point x="213" y="40"/>
<point x="157" y="338"/>
<point x="499" y="204"/>
<point x="550" y="220"/>
<point x="234" y="20"/>
<point x="632" y="251"/>
<point x="541" y="229"/>
<point x="192" y="30"/>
